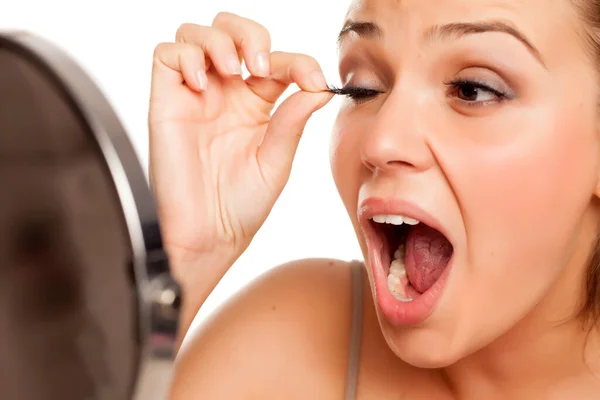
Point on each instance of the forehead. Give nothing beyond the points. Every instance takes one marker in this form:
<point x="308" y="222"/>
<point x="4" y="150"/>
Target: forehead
<point x="552" y="25"/>
<point x="465" y="8"/>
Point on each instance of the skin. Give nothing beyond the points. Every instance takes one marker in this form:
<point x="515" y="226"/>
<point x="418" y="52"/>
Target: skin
<point x="487" y="171"/>
<point x="515" y="182"/>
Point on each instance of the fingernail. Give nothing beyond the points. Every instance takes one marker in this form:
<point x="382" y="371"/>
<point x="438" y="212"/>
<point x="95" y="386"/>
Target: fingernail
<point x="318" y="80"/>
<point x="202" y="80"/>
<point x="262" y="64"/>
<point x="233" y="65"/>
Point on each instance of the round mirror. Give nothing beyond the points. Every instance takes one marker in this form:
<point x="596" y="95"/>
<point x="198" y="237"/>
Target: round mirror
<point x="88" y="309"/>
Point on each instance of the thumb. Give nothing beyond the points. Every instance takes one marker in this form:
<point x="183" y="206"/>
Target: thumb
<point x="276" y="152"/>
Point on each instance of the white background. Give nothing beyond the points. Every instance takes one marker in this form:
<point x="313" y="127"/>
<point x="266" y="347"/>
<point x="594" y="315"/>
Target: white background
<point x="114" y="41"/>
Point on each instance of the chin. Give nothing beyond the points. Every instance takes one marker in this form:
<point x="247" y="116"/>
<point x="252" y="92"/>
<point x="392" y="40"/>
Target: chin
<point x="423" y="348"/>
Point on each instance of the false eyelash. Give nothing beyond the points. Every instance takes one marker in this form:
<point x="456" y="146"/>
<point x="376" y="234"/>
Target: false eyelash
<point x="353" y="92"/>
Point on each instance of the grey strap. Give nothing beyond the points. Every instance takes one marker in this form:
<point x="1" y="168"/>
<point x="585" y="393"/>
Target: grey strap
<point x="355" y="331"/>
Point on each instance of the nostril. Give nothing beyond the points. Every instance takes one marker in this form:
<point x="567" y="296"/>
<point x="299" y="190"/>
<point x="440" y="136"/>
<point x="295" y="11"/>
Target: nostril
<point x="392" y="147"/>
<point x="397" y="163"/>
<point x="389" y="160"/>
<point x="388" y="165"/>
<point x="369" y="165"/>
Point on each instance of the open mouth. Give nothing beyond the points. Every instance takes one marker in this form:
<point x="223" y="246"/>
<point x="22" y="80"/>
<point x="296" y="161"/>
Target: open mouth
<point x="413" y="255"/>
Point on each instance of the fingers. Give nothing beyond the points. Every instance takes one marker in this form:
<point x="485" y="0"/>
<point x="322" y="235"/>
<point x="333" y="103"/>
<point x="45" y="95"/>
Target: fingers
<point x="177" y="60"/>
<point x="276" y="152"/>
<point x="223" y="45"/>
<point x="287" y="68"/>
<point x="301" y="69"/>
<point x="230" y="39"/>
<point x="253" y="40"/>
<point x="217" y="45"/>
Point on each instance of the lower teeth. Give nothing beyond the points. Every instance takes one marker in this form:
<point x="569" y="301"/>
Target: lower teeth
<point x="396" y="275"/>
<point x="402" y="299"/>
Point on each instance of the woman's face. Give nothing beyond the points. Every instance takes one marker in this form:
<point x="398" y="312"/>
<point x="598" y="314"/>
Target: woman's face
<point x="479" y="119"/>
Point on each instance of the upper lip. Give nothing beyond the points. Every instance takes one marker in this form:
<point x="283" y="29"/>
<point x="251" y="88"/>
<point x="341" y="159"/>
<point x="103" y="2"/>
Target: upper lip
<point x="396" y="206"/>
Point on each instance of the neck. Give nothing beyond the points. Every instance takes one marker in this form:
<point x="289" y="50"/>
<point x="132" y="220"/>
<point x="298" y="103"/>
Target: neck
<point x="549" y="351"/>
<point x="529" y="361"/>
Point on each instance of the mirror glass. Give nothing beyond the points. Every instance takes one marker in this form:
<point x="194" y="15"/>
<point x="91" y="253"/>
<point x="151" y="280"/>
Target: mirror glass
<point x="69" y="303"/>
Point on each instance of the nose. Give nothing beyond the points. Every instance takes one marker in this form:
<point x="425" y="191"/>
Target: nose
<point x="398" y="139"/>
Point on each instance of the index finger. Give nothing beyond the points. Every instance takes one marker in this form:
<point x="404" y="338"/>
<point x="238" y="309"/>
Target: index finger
<point x="288" y="68"/>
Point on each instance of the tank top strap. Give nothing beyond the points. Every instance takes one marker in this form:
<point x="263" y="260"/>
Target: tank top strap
<point x="357" y="270"/>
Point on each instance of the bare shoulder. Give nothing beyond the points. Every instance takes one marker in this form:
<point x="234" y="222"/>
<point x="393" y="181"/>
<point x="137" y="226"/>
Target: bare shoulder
<point x="285" y="334"/>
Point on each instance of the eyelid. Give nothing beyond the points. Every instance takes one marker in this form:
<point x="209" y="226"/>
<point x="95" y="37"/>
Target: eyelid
<point x="486" y="76"/>
<point x="365" y="66"/>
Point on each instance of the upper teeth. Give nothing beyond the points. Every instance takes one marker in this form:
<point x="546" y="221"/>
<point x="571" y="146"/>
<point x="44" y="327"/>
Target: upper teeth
<point x="394" y="220"/>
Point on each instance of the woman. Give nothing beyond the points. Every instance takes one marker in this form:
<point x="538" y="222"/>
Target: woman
<point x="468" y="158"/>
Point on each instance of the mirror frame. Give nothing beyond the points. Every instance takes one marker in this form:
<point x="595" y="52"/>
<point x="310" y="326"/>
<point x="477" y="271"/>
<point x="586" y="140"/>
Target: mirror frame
<point x="158" y="295"/>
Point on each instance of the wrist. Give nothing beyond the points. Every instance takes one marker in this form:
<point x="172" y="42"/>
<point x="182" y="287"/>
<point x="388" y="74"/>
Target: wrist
<point x="197" y="274"/>
<point x="190" y="266"/>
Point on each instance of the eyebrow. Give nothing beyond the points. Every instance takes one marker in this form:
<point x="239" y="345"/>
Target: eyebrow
<point x="365" y="30"/>
<point x="370" y="30"/>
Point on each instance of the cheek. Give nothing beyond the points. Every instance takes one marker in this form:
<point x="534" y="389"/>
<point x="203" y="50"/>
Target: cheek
<point x="347" y="168"/>
<point x="523" y="196"/>
<point x="344" y="156"/>
<point x="335" y="148"/>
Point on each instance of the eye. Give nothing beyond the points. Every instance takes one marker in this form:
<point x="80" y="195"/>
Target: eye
<point x="356" y="93"/>
<point x="476" y="93"/>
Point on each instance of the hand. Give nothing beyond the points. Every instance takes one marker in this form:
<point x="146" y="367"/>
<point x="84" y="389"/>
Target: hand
<point x="218" y="159"/>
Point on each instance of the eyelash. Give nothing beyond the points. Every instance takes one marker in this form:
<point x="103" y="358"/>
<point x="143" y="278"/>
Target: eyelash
<point x="456" y="85"/>
<point x="360" y="94"/>
<point x="356" y="93"/>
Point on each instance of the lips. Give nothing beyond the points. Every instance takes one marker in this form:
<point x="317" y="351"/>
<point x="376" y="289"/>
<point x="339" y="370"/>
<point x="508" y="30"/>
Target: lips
<point x="422" y="305"/>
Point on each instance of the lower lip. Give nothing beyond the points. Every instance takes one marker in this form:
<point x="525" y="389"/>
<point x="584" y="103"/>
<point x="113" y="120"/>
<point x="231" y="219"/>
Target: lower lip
<point x="403" y="313"/>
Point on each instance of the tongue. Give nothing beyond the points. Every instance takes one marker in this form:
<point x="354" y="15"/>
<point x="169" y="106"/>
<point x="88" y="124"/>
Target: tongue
<point x="427" y="254"/>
